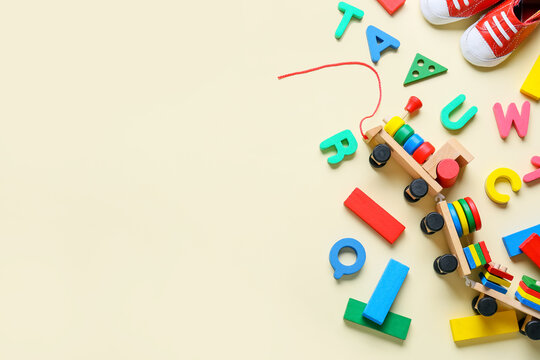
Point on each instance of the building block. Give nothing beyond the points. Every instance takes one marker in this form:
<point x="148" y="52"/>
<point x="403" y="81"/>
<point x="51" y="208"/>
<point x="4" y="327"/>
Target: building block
<point x="379" y="41"/>
<point x="495" y="279"/>
<point x="386" y="291"/>
<point x="469" y="257"/>
<point x="349" y="12"/>
<point x="520" y="121"/>
<point x="391" y="6"/>
<point x="394" y="324"/>
<point x="475" y="256"/>
<point x="531" y="248"/>
<point x="374" y="215"/>
<point x="531" y="86"/>
<point x="462" y="217"/>
<point x="513" y="241"/>
<point x="343" y="142"/>
<point x="499" y="174"/>
<point x="476" y="214"/>
<point x="451" y="107"/>
<point x="535" y="160"/>
<point x="423" y="68"/>
<point x="498" y="272"/>
<point x="447" y="172"/>
<point x="473" y="327"/>
<point x="531" y="283"/>
<point x="480" y="254"/>
<point x="526" y="302"/>
<point x="455" y="220"/>
<point x="491" y="285"/>
<point x="528" y="290"/>
<point x="452" y="149"/>
<point x="485" y="251"/>
<point x="527" y="296"/>
<point x="339" y="268"/>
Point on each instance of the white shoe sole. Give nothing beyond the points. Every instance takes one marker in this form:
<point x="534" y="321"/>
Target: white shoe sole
<point x="467" y="49"/>
<point x="433" y="18"/>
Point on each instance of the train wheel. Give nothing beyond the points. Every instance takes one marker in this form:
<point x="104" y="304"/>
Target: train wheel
<point x="416" y="190"/>
<point x="486" y="306"/>
<point x="445" y="264"/>
<point x="380" y="156"/>
<point x="432" y="223"/>
<point x="532" y="329"/>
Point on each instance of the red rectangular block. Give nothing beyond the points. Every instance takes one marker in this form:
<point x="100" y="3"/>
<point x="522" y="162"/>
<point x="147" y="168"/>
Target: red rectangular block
<point x="531" y="247"/>
<point x="391" y="5"/>
<point x="499" y="272"/>
<point x="374" y="215"/>
<point x="485" y="252"/>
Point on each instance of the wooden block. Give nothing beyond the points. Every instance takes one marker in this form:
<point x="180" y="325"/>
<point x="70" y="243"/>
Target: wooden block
<point x="374" y="215"/>
<point x="526" y="302"/>
<point x="505" y="299"/>
<point x="496" y="279"/>
<point x="485" y="251"/>
<point x="469" y="257"/>
<point x="480" y="254"/>
<point x="531" y="86"/>
<point x="391" y="6"/>
<point x="473" y="327"/>
<point x="529" y="297"/>
<point x="498" y="271"/>
<point x="474" y="255"/>
<point x="491" y="285"/>
<point x="452" y="149"/>
<point x="447" y="172"/>
<point x="531" y="283"/>
<point x="394" y="325"/>
<point x="452" y="238"/>
<point x="386" y="291"/>
<point x="513" y="241"/>
<point x="528" y="290"/>
<point x="531" y="248"/>
<point x="377" y="136"/>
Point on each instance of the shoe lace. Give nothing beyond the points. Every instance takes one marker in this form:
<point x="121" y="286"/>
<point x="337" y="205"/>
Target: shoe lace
<point x="457" y="4"/>
<point x="497" y="23"/>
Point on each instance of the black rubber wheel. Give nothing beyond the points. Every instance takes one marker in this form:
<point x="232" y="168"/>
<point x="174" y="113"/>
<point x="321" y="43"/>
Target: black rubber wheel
<point x="436" y="266"/>
<point x="418" y="188"/>
<point x="473" y="304"/>
<point x="487" y="306"/>
<point x="520" y="324"/>
<point x="432" y="223"/>
<point x="448" y="263"/>
<point x="532" y="329"/>
<point x="380" y="155"/>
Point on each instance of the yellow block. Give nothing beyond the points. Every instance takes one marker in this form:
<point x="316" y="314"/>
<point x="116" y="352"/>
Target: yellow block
<point x="531" y="86"/>
<point x="528" y="296"/>
<point x="472" y="327"/>
<point x="475" y="255"/>
<point x="462" y="218"/>
<point x="496" y="279"/>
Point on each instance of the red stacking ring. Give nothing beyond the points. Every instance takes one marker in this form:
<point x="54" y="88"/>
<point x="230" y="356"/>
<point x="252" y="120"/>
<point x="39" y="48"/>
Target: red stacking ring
<point x="475" y="213"/>
<point x="423" y="152"/>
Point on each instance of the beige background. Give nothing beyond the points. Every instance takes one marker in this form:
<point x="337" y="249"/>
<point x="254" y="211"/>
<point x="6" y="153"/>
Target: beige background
<point x="162" y="195"/>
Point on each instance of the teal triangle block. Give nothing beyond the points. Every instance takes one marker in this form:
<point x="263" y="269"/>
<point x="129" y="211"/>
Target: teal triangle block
<point x="422" y="68"/>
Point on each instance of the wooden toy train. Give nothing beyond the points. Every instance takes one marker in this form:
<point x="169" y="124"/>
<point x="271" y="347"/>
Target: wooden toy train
<point x="432" y="171"/>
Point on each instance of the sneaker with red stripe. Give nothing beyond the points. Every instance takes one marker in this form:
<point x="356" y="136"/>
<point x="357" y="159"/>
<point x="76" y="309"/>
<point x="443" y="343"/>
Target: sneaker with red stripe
<point x="490" y="40"/>
<point x="440" y="12"/>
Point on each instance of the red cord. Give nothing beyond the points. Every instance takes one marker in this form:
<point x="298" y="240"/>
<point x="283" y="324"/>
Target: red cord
<point x="340" y="64"/>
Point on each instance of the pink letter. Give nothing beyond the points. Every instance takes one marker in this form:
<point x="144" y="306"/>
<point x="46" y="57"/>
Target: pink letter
<point x="521" y="122"/>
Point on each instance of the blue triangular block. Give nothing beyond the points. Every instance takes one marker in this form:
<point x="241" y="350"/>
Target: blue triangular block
<point x="378" y="41"/>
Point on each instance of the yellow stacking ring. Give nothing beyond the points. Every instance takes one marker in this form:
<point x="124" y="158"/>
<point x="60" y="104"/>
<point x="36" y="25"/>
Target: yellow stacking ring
<point x="393" y="125"/>
<point x="462" y="217"/>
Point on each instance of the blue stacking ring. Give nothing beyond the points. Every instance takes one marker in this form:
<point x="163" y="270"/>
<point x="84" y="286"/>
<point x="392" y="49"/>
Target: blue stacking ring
<point x="455" y="220"/>
<point x="413" y="143"/>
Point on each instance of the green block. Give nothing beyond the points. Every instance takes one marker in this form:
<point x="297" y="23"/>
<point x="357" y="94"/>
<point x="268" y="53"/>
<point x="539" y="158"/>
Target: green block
<point x="394" y="324"/>
<point x="480" y="254"/>
<point x="423" y="68"/>
<point x="531" y="283"/>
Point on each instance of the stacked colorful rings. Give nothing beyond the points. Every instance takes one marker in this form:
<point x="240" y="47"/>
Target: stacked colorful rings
<point x="412" y="143"/>
<point x="465" y="216"/>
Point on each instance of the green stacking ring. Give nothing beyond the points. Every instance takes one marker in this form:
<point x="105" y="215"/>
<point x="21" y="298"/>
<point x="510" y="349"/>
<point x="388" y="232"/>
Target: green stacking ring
<point x="403" y="134"/>
<point x="468" y="214"/>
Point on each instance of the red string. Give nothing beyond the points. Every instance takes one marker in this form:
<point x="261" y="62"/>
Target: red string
<point x="340" y="64"/>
